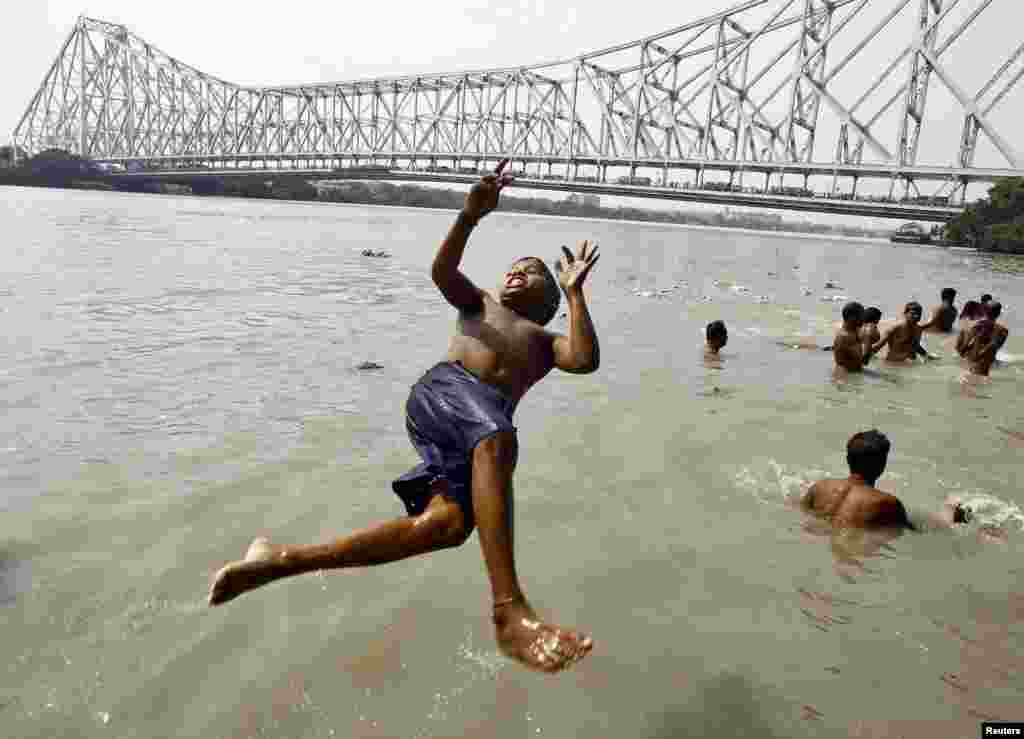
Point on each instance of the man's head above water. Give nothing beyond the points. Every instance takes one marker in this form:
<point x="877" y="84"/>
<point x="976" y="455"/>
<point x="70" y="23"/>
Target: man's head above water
<point x="867" y="453"/>
<point x="717" y="335"/>
<point x="913" y="312"/>
<point x="853" y="314"/>
<point x="531" y="290"/>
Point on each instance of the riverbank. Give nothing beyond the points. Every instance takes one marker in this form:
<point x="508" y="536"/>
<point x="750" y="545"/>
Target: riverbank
<point x="417" y="196"/>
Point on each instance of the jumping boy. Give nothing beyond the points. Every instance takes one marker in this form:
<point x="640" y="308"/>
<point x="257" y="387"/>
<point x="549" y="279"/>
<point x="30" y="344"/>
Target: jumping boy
<point x="459" y="418"/>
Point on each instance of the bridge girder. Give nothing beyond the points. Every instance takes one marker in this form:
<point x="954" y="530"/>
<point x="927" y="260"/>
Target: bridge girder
<point x="766" y="81"/>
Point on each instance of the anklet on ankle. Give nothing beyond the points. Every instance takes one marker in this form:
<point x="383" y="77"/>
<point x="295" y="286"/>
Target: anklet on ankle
<point x="507" y="601"/>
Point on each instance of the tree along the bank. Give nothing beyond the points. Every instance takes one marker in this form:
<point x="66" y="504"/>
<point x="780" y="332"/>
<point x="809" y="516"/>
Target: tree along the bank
<point x="994" y="223"/>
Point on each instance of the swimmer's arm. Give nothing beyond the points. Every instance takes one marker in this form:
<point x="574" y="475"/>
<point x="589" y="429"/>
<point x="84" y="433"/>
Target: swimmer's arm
<point x="457" y="289"/>
<point x="877" y="346"/>
<point x="900" y="515"/>
<point x="961" y="342"/>
<point x="933" y="319"/>
<point x="578" y="352"/>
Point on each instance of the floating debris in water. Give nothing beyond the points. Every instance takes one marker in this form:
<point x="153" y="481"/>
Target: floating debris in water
<point x="372" y="253"/>
<point x="369" y="366"/>
<point x="832" y="286"/>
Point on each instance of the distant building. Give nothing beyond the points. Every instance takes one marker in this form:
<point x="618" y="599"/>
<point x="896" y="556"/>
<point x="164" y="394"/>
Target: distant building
<point x="7" y="157"/>
<point x="587" y="199"/>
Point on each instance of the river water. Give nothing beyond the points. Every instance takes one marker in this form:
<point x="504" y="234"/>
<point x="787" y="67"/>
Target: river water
<point x="178" y="375"/>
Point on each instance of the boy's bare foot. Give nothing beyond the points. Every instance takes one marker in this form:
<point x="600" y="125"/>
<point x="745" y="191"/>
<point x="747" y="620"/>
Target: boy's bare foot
<point x="539" y="646"/>
<point x="260" y="566"/>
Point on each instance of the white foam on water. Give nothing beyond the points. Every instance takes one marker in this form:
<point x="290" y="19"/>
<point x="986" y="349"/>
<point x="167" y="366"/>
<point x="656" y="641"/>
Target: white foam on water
<point x="988" y="510"/>
<point x="472" y="666"/>
<point x="774" y="484"/>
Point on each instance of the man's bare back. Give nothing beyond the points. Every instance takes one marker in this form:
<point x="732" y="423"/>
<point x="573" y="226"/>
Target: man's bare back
<point x="848" y="350"/>
<point x="852" y="503"/>
<point x="943" y="315"/>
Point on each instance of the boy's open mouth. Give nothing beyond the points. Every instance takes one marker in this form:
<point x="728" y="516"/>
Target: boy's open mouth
<point x="515" y="281"/>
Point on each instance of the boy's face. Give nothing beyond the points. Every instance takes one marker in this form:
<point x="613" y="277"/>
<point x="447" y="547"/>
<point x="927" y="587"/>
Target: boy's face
<point x="913" y="315"/>
<point x="524" y="283"/>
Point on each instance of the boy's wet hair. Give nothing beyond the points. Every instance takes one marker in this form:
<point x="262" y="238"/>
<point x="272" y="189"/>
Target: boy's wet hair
<point x="872" y="315"/>
<point x="993" y="310"/>
<point x="552" y="293"/>
<point x="986" y="298"/>
<point x="852" y="311"/>
<point x="867" y="453"/>
<point x="715" y="330"/>
<point x="913" y="306"/>
<point x="948" y="293"/>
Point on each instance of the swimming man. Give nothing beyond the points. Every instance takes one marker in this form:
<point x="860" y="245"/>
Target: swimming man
<point x="855" y="502"/>
<point x="459" y="418"/>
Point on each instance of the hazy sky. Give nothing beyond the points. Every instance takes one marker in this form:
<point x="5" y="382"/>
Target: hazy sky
<point x="282" y="43"/>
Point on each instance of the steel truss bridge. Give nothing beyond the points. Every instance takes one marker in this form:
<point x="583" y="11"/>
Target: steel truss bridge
<point x="810" y="104"/>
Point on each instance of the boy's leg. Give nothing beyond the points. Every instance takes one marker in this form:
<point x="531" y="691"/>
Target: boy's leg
<point x="521" y="635"/>
<point x="441" y="525"/>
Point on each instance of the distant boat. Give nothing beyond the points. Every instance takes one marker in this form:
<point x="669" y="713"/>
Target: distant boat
<point x="911" y="233"/>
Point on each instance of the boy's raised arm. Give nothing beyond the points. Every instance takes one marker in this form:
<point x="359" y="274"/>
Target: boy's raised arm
<point x="579" y="351"/>
<point x="458" y="289"/>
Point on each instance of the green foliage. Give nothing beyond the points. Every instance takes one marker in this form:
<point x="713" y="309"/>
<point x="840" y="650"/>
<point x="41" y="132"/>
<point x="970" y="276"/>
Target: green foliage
<point x="996" y="217"/>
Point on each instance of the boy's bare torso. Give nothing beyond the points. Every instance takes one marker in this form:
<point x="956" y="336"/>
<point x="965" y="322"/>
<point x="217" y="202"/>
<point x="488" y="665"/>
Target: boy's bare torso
<point x="905" y="338"/>
<point x="869" y="336"/>
<point x="502" y="348"/>
<point x="847" y="503"/>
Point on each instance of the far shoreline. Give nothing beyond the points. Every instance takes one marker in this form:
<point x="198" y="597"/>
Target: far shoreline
<point x="780" y="233"/>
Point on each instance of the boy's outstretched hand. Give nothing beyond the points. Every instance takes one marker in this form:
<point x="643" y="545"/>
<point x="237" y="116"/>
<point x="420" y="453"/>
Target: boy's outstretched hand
<point x="483" y="196"/>
<point x="573" y="269"/>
